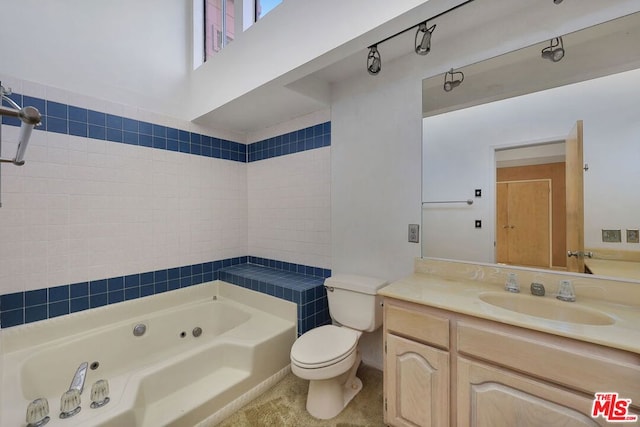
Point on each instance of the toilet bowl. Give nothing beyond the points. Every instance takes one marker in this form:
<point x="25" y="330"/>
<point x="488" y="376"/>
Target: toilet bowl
<point x="328" y="357"/>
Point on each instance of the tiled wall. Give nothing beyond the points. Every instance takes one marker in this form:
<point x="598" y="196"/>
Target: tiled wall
<point x="84" y="122"/>
<point x="308" y="138"/>
<point x="109" y="191"/>
<point x="290" y="206"/>
<point x="87" y="208"/>
<point x="39" y="304"/>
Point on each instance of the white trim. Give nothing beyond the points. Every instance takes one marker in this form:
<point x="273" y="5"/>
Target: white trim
<point x="198" y="33"/>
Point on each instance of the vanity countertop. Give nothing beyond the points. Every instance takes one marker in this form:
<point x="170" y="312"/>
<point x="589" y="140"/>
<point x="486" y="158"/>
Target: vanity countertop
<point x="463" y="296"/>
<point x="614" y="268"/>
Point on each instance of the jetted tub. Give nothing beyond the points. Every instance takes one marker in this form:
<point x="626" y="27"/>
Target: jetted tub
<point x="166" y="377"/>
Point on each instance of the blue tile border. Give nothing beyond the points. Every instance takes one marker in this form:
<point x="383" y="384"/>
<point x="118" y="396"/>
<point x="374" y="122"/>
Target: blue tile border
<point x="84" y="122"/>
<point x="293" y="142"/>
<point x="78" y="121"/>
<point x="298" y="283"/>
<point x="39" y="304"/>
<point x="307" y="291"/>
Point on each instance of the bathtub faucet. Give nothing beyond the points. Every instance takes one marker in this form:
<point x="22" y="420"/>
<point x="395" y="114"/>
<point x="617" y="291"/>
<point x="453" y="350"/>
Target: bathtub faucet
<point x="70" y="400"/>
<point x="78" y="379"/>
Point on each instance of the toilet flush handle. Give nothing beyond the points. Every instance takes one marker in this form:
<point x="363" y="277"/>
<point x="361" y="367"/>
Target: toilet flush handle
<point x="329" y="288"/>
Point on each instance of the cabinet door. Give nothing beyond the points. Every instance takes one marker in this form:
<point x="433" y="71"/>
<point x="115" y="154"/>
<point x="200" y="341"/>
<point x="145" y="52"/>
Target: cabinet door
<point x="488" y="396"/>
<point x="416" y="384"/>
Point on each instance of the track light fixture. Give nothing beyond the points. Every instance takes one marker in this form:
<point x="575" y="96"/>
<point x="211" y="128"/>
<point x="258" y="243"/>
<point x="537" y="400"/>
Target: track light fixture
<point x="555" y="51"/>
<point x="422" y="45"/>
<point x="374" y="61"/>
<point x="557" y="1"/>
<point x="423" y="38"/>
<point x="450" y="81"/>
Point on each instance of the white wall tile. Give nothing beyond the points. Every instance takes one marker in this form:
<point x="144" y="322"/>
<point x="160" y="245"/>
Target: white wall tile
<point x="84" y="209"/>
<point x="92" y="209"/>
<point x="289" y="208"/>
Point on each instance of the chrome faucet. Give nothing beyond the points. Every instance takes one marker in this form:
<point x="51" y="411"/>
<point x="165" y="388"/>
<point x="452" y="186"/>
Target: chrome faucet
<point x="512" y="283"/>
<point x="78" y="379"/>
<point x="70" y="400"/>
<point x="566" y="292"/>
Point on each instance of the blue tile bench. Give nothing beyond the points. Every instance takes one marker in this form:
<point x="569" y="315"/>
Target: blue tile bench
<point x="306" y="291"/>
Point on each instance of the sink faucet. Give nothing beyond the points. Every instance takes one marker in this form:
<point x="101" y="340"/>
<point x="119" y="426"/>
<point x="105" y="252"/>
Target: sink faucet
<point x="512" y="283"/>
<point x="566" y="292"/>
<point x="78" y="379"/>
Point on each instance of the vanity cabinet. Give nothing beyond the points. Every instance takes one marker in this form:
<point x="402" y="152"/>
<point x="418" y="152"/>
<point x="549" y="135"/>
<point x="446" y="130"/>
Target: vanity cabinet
<point x="463" y="371"/>
<point x="416" y="368"/>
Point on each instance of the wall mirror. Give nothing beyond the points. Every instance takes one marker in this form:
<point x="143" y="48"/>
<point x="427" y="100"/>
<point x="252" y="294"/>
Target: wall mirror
<point x="499" y="140"/>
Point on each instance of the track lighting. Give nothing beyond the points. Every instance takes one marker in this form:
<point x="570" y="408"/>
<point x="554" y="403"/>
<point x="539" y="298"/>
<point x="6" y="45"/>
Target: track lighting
<point x="555" y="51"/>
<point x="374" y="61"/>
<point x="423" y="38"/>
<point x="450" y="82"/>
<point x="422" y="45"/>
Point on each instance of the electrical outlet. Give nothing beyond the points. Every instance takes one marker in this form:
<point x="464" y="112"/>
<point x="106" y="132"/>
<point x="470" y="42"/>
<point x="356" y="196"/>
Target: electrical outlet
<point x="478" y="223"/>
<point x="414" y="233"/>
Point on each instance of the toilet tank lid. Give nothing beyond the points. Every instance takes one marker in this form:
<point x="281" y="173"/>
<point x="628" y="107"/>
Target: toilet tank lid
<point x="356" y="283"/>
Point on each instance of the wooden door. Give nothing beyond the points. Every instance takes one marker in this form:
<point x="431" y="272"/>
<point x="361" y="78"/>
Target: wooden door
<point x="416" y="384"/>
<point x="523" y="229"/>
<point x="575" y="198"/>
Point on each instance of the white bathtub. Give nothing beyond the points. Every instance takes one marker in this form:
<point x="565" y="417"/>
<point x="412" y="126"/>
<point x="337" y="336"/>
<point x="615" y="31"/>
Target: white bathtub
<point x="167" y="377"/>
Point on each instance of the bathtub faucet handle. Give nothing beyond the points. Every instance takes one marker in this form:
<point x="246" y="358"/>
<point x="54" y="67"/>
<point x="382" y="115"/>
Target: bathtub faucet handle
<point x="38" y="413"/>
<point x="70" y="403"/>
<point x="99" y="394"/>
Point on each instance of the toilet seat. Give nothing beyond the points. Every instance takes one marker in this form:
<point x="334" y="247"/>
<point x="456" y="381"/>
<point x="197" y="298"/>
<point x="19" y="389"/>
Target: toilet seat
<point x="324" y="346"/>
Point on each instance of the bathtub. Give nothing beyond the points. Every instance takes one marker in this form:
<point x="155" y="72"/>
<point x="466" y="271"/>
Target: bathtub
<point x="166" y="377"/>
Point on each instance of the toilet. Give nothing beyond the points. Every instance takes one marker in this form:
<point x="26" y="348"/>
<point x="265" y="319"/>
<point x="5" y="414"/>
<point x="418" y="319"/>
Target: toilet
<point x="328" y="356"/>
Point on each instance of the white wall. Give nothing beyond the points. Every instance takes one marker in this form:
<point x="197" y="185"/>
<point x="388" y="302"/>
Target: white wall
<point x="293" y="34"/>
<point x="468" y="138"/>
<point x="135" y="53"/>
<point x="376" y="143"/>
<point x="376" y="138"/>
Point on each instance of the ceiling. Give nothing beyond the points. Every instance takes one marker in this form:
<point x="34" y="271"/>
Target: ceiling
<point x="308" y="88"/>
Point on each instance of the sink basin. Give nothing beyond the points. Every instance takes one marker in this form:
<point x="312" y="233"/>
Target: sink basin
<point x="546" y="308"/>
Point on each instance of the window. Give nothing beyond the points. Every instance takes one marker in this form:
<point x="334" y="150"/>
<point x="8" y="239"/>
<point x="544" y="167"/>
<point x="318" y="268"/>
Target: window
<point x="218" y="25"/>
<point x="262" y="7"/>
<point x="218" y="17"/>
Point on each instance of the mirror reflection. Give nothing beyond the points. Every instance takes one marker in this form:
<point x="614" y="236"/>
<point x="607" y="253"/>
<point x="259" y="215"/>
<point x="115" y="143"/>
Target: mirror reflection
<point x="552" y="147"/>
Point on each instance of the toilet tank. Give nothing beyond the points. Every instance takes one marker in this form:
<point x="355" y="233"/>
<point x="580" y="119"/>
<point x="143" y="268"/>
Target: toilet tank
<point x="353" y="301"/>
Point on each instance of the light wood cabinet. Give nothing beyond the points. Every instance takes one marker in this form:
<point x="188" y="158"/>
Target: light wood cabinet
<point x="444" y="368"/>
<point x="490" y="396"/>
<point x="419" y="375"/>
